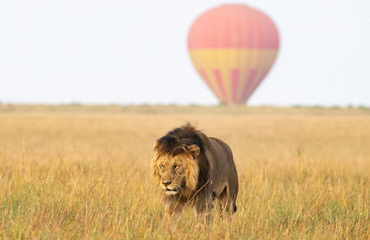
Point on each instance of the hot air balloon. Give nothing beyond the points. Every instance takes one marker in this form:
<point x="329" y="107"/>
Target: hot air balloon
<point x="233" y="47"/>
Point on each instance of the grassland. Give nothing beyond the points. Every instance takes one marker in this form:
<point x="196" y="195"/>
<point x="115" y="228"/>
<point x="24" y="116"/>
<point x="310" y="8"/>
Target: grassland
<point x="83" y="172"/>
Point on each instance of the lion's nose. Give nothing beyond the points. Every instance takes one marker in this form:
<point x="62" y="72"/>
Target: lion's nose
<point x="167" y="183"/>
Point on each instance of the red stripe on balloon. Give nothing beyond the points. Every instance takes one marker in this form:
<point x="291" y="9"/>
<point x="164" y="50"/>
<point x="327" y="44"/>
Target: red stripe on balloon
<point x="218" y="77"/>
<point x="250" y="92"/>
<point x="203" y="73"/>
<point x="251" y="76"/>
<point x="234" y="84"/>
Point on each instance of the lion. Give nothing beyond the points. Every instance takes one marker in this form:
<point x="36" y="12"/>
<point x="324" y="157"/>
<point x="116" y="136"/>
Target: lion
<point x="194" y="170"/>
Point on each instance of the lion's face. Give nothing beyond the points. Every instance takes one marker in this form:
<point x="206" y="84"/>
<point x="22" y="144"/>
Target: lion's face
<point x="172" y="174"/>
<point x="176" y="174"/>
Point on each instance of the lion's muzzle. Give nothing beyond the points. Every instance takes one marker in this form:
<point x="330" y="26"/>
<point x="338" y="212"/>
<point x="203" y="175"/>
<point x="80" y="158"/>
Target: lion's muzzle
<point x="169" y="191"/>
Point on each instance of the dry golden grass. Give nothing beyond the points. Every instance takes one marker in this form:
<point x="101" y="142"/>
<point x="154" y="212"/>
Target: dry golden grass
<point x="78" y="172"/>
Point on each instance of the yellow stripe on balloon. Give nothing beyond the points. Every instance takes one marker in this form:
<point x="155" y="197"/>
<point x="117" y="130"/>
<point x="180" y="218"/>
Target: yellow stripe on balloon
<point x="225" y="60"/>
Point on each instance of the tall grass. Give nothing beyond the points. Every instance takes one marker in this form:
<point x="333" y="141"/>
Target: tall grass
<point x="304" y="174"/>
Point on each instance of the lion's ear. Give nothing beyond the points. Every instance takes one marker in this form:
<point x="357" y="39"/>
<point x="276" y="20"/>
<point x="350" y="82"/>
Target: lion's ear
<point x="194" y="149"/>
<point x="155" y="144"/>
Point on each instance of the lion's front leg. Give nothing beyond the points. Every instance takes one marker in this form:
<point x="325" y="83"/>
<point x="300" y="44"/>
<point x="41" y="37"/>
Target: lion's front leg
<point x="172" y="213"/>
<point x="203" y="207"/>
<point x="203" y="215"/>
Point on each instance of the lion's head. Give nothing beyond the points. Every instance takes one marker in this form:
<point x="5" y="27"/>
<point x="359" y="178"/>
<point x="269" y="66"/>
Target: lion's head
<point x="176" y="171"/>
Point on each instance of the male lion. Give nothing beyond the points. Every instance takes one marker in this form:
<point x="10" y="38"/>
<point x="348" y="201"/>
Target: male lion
<point x="193" y="169"/>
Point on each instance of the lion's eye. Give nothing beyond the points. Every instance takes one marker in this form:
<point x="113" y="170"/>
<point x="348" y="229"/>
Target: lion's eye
<point x="175" y="167"/>
<point x="161" y="166"/>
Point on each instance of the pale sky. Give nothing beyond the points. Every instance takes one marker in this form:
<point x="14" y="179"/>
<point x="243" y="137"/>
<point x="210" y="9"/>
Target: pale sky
<point x="135" y="51"/>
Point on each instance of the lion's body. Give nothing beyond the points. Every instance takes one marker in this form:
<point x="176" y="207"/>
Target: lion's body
<point x="225" y="177"/>
<point x="195" y="169"/>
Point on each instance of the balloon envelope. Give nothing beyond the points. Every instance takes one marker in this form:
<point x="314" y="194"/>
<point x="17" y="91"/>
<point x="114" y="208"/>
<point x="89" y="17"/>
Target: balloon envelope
<point x="233" y="47"/>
